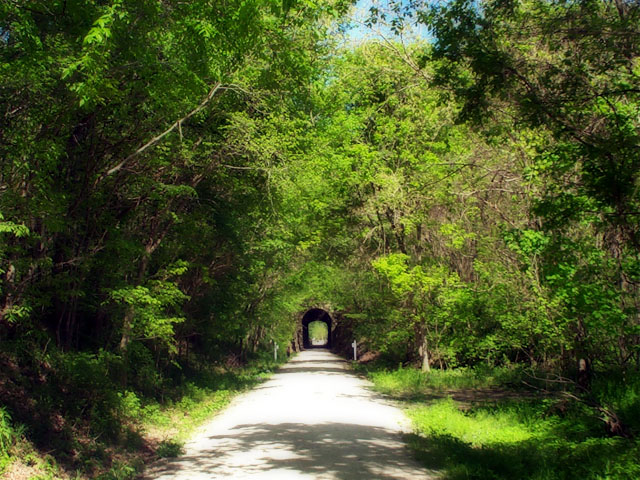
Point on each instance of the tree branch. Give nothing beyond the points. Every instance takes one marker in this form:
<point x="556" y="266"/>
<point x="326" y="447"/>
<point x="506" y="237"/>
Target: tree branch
<point x="177" y="124"/>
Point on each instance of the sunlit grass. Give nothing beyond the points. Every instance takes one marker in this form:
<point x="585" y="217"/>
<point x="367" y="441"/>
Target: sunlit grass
<point x="526" y="438"/>
<point x="517" y="440"/>
<point x="478" y="428"/>
<point x="179" y="419"/>
<point x="410" y="382"/>
<point x="173" y="421"/>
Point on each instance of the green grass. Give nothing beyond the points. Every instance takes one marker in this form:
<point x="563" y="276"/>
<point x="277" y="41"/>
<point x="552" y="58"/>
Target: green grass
<point x="527" y="438"/>
<point x="164" y="423"/>
<point x="170" y="423"/>
<point x="520" y="441"/>
<point x="198" y="399"/>
<point x="480" y="427"/>
<point x="410" y="382"/>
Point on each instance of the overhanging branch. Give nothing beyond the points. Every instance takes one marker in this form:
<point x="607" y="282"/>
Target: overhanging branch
<point x="177" y="124"/>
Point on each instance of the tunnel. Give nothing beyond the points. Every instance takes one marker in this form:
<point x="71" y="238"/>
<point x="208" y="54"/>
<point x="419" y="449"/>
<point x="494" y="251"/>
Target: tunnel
<point x="315" y="315"/>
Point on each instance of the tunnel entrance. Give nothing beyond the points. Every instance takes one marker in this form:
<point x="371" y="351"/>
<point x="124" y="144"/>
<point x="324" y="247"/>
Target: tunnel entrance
<point x="320" y="336"/>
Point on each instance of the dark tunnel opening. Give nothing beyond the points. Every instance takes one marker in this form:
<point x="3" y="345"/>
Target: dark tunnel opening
<point x="315" y="315"/>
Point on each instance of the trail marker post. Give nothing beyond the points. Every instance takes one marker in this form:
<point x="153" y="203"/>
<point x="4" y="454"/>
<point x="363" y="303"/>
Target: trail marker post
<point x="275" y="351"/>
<point x="355" y="350"/>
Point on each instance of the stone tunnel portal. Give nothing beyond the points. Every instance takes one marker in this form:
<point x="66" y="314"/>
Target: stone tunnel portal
<point x="315" y="315"/>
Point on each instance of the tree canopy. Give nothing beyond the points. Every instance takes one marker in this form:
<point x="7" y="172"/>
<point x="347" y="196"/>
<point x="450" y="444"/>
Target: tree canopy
<point x="181" y="181"/>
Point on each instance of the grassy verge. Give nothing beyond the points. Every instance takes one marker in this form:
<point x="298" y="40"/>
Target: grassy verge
<point x="410" y="383"/>
<point x="170" y="424"/>
<point x="149" y="428"/>
<point x="520" y="435"/>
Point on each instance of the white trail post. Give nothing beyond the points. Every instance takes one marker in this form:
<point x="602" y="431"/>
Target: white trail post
<point x="275" y="351"/>
<point x="355" y="350"/>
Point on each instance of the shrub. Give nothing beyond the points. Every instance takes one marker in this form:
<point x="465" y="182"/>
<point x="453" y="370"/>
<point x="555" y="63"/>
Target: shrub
<point x="169" y="449"/>
<point x="6" y="432"/>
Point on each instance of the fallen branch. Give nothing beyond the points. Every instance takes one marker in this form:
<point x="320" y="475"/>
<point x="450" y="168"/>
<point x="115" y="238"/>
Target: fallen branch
<point x="612" y="423"/>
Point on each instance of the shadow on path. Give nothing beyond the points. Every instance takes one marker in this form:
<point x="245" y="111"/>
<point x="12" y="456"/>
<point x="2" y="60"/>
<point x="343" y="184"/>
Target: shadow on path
<point x="310" y="369"/>
<point x="332" y="450"/>
<point x="314" y="419"/>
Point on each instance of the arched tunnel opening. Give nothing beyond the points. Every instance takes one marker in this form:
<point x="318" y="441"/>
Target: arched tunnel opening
<point x="314" y="334"/>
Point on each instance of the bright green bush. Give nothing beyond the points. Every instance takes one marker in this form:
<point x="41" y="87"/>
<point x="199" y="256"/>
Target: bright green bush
<point x="6" y="438"/>
<point x="130" y="405"/>
<point x="6" y="432"/>
<point x="10" y="433"/>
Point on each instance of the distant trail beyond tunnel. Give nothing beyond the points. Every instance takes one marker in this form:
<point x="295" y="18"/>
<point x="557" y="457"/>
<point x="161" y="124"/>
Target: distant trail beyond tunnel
<point x="314" y="419"/>
<point x="312" y="316"/>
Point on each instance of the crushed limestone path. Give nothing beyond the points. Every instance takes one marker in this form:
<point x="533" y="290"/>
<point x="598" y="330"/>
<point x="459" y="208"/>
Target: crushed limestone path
<point x="313" y="419"/>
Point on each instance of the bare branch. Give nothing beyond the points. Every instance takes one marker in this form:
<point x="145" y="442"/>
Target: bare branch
<point x="177" y="124"/>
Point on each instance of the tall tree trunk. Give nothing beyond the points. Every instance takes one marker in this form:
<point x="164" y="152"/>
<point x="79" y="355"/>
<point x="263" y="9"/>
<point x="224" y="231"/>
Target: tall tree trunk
<point x="424" y="354"/>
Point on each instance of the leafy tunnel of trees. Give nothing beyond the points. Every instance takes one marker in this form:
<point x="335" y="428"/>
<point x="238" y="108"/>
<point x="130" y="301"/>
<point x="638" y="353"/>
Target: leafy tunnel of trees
<point x="180" y="181"/>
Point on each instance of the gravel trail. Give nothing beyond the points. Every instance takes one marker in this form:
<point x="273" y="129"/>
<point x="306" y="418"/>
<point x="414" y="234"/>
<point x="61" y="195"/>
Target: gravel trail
<point x="313" y="419"/>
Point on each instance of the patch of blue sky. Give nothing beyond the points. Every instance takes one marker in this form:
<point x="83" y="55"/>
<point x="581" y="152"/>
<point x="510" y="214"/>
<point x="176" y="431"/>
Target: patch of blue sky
<point x="389" y="26"/>
<point x="4" y="35"/>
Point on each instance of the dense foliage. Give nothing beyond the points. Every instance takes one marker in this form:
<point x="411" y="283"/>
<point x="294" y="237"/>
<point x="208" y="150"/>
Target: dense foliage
<point x="179" y="181"/>
<point x="137" y="216"/>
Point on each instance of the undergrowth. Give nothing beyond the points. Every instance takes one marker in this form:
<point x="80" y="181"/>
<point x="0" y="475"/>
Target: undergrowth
<point x="73" y="422"/>
<point x="527" y="436"/>
<point x="9" y="435"/>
